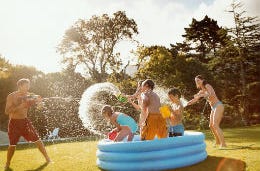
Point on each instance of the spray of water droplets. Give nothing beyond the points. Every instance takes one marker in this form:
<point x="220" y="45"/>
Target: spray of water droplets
<point x="98" y="95"/>
<point x="91" y="103"/>
<point x="163" y="94"/>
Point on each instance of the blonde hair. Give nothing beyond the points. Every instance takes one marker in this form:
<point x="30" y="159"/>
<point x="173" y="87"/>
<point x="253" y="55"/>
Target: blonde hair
<point x="22" y="81"/>
<point x="107" y="109"/>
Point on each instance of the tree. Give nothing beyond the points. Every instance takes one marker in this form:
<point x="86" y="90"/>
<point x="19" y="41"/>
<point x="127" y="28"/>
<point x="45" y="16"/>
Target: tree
<point x="203" y="36"/>
<point x="168" y="70"/>
<point x="246" y="38"/>
<point x="4" y="67"/>
<point x="91" y="43"/>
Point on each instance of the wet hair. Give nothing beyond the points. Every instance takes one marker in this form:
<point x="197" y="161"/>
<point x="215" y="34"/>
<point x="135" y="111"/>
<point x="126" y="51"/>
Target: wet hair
<point x="22" y="81"/>
<point x="174" y="91"/>
<point x="140" y="83"/>
<point x="149" y="83"/>
<point x="204" y="82"/>
<point x="107" y="109"/>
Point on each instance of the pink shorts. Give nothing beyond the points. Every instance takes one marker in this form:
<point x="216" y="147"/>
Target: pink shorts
<point x="21" y="127"/>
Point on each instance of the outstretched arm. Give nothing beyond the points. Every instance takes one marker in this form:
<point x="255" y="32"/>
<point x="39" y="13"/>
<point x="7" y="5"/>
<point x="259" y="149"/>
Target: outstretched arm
<point x="196" y="98"/>
<point x="136" y="106"/>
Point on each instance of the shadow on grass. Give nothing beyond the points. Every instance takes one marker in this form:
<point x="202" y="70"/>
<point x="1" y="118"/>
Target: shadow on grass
<point x="39" y="168"/>
<point x="30" y="145"/>
<point x="237" y="147"/>
<point x="213" y="163"/>
<point x="8" y="169"/>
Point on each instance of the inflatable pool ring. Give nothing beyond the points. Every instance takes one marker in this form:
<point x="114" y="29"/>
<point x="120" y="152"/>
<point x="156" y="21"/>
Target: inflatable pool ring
<point x="165" y="111"/>
<point x="167" y="153"/>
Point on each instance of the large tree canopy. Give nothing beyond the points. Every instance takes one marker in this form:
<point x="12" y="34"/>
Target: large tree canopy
<point x="203" y="37"/>
<point x="168" y="69"/>
<point x="246" y="38"/>
<point x="91" y="43"/>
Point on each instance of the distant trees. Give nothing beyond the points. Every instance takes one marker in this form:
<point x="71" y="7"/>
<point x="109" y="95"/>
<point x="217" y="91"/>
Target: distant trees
<point x="168" y="69"/>
<point x="61" y="84"/>
<point x="246" y="40"/>
<point x="91" y="43"/>
<point x="228" y="57"/>
<point x="203" y="37"/>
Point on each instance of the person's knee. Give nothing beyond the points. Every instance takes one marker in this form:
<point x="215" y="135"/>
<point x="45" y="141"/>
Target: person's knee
<point x="215" y="126"/>
<point x="11" y="148"/>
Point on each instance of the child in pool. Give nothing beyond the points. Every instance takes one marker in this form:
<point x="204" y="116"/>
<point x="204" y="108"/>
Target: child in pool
<point x="125" y="125"/>
<point x="176" y="128"/>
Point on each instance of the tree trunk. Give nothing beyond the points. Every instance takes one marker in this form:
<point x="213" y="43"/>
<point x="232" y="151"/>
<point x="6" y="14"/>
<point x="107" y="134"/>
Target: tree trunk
<point x="243" y="90"/>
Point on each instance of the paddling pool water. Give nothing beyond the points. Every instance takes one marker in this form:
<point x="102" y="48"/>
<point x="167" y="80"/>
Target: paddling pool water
<point x="166" y="153"/>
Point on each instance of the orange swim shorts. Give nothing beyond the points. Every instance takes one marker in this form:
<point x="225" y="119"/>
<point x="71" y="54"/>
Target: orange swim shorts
<point x="155" y="125"/>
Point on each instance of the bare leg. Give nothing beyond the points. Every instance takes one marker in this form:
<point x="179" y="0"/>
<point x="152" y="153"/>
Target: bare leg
<point x="125" y="131"/>
<point x="212" y="129"/>
<point x="10" y="153"/>
<point x="217" y="116"/>
<point x="42" y="149"/>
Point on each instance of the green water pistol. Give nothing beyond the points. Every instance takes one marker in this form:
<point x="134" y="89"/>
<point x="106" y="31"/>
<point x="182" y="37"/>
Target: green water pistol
<point x="122" y="98"/>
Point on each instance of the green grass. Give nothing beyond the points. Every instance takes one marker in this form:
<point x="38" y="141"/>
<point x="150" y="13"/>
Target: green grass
<point x="243" y="153"/>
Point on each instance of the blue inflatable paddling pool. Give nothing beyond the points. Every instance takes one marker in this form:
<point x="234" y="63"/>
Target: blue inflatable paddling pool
<point x="167" y="153"/>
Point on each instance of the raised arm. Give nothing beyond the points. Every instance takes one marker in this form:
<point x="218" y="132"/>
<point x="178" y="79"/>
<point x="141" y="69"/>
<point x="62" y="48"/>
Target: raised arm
<point x="144" y="111"/>
<point x="197" y="96"/>
<point x="136" y="106"/>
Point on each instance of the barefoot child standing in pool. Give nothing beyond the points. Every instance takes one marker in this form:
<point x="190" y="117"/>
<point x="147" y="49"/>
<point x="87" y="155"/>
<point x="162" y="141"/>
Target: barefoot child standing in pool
<point x="176" y="128"/>
<point x="125" y="125"/>
<point x="152" y="123"/>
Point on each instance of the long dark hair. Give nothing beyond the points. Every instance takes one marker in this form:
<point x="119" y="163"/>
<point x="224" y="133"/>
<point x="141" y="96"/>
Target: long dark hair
<point x="149" y="83"/>
<point x="204" y="82"/>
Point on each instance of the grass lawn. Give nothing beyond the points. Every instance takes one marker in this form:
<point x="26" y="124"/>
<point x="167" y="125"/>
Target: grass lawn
<point x="243" y="153"/>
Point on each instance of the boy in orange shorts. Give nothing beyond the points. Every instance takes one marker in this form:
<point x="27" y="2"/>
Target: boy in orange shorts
<point x="152" y="123"/>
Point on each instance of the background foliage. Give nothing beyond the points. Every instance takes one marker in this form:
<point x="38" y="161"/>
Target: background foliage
<point x="227" y="57"/>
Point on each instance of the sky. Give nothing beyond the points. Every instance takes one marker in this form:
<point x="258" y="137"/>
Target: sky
<point x="30" y="30"/>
